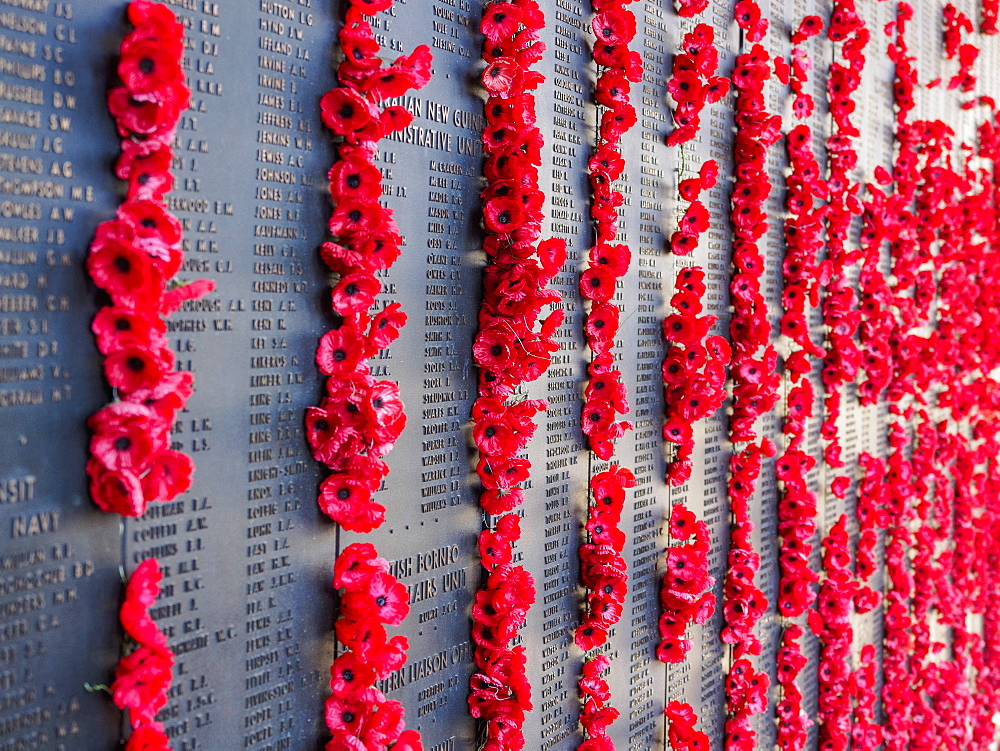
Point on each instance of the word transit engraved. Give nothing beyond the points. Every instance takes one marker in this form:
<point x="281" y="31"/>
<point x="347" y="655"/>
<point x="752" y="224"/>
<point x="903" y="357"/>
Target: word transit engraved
<point x="247" y="603"/>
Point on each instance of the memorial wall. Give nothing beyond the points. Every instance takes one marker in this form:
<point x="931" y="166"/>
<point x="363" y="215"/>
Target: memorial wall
<point x="246" y="601"/>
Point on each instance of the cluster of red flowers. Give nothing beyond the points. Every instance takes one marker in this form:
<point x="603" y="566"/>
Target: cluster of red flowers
<point x="956" y="24"/>
<point x="840" y="304"/>
<point x="755" y="383"/>
<point x="793" y="722"/>
<point x="358" y="714"/>
<point x="877" y="321"/>
<point x="606" y="397"/>
<point x="989" y="13"/>
<point x="747" y="695"/>
<point x="603" y="571"/>
<point x="866" y="733"/>
<point x="695" y="221"/>
<point x="360" y="417"/>
<point x="597" y="714"/>
<point x="143" y="677"/>
<point x="509" y="352"/>
<point x="694" y="370"/>
<point x="682" y="734"/>
<point x="749" y="18"/>
<point x="898" y="696"/>
<point x="804" y="239"/>
<point x="803" y="104"/>
<point x="693" y="83"/>
<point x="871" y="513"/>
<point x="838" y="595"/>
<point x="802" y="278"/>
<point x="686" y="592"/>
<point x="134" y="258"/>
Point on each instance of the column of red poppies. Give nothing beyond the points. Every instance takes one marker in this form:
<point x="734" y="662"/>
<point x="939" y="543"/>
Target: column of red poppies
<point x="805" y="194"/>
<point x="686" y="592"/>
<point x="840" y="304"/>
<point x="694" y="370"/>
<point x="606" y="396"/>
<point x="604" y="574"/>
<point x="513" y="347"/>
<point x="840" y="594"/>
<point x="357" y="714"/>
<point x="755" y="384"/>
<point x="686" y="596"/>
<point x="866" y="733"/>
<point x="360" y="417"/>
<point x="989" y="13"/>
<point x="956" y="26"/>
<point x="603" y="570"/>
<point x="133" y="259"/>
<point x="897" y="695"/>
<point x="877" y="321"/>
<point x="693" y="85"/>
<point x="143" y="676"/>
<point x="694" y="374"/>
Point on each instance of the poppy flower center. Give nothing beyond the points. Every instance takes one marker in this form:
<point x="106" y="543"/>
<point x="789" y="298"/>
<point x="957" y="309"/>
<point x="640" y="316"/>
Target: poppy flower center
<point x="123" y="443"/>
<point x="322" y="426"/>
<point x="353" y="180"/>
<point x="123" y="324"/>
<point x="348" y="675"/>
<point x="351" y="289"/>
<point x="355" y="215"/>
<point x="343" y="494"/>
<point x="496" y="350"/>
<point x="123" y="264"/>
<point x="490" y="432"/>
<point x="378" y="403"/>
<point x="340" y="355"/>
<point x="503" y="217"/>
<point x="380" y="601"/>
<point x="346" y="111"/>
<point x="348" y="717"/>
<point x="146" y="65"/>
<point x="135" y="364"/>
<point x="148" y="223"/>
<point x="143" y="178"/>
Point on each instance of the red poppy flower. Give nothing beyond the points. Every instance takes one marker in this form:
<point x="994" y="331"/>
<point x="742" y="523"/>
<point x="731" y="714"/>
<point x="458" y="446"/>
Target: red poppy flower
<point x="355" y="178"/>
<point x="613" y="88"/>
<point x="141" y="682"/>
<point x="147" y="738"/>
<point x="809" y="27"/>
<point x="148" y="174"/>
<point x="123" y="272"/>
<point x="685" y="87"/>
<point x="614" y="26"/>
<point x="154" y="119"/>
<point x="597" y="283"/>
<point x="148" y="67"/>
<point x="503" y="215"/>
<point x="695" y="219"/>
<point x="134" y="367"/>
<point x="354" y="293"/>
<point x="354" y="216"/>
<point x="344" y="111"/>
